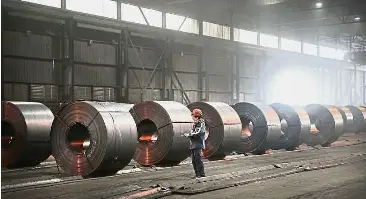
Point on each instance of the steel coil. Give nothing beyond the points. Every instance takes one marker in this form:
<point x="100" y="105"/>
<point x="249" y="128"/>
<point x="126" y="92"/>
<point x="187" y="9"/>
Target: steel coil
<point x="358" y="119"/>
<point x="305" y="135"/>
<point x="326" y="124"/>
<point x="161" y="126"/>
<point x="25" y="134"/>
<point x="338" y="124"/>
<point x="290" y="125"/>
<point x="347" y="119"/>
<point x="223" y="128"/>
<point x="93" y="138"/>
<point x="363" y="111"/>
<point x="261" y="127"/>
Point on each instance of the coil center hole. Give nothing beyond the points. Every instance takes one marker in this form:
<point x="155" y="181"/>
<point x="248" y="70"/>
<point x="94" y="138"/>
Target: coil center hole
<point x="7" y="135"/>
<point x="147" y="131"/>
<point x="284" y="126"/>
<point x="78" y="138"/>
<point x="247" y="127"/>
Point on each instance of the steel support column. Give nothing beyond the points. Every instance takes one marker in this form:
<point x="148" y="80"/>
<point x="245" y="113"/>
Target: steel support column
<point x="237" y="75"/>
<point x="164" y="71"/>
<point x="63" y="65"/>
<point x="169" y="68"/>
<point x="126" y="65"/>
<point x="63" y="4"/>
<point x="200" y="77"/>
<point x="119" y="10"/>
<point x="317" y="46"/>
<point x="200" y="27"/>
<point x="70" y="32"/>
<point x="119" y="68"/>
<point x="2" y="55"/>
<point x="163" y="19"/>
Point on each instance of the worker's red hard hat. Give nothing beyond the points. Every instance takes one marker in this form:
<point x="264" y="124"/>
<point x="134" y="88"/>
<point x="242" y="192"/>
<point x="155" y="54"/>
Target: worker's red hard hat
<point x="197" y="112"/>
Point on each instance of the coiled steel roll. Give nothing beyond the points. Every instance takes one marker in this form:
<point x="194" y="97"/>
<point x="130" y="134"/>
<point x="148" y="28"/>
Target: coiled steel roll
<point x="25" y="133"/>
<point x="93" y="138"/>
<point x="363" y="111"/>
<point x="347" y="119"/>
<point x="358" y="119"/>
<point x="305" y="135"/>
<point x="223" y="128"/>
<point x="161" y="125"/>
<point x="261" y="127"/>
<point x="290" y="125"/>
<point x="326" y="124"/>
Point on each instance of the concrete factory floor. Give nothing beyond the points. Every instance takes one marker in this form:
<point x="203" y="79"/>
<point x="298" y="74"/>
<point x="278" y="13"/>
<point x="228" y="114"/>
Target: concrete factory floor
<point x="332" y="172"/>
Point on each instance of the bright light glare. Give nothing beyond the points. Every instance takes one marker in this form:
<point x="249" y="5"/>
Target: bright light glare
<point x="357" y="18"/>
<point x="319" y="5"/>
<point x="294" y="88"/>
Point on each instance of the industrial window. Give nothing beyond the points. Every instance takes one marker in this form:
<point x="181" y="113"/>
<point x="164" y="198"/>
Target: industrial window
<point x="216" y="30"/>
<point x="245" y="36"/>
<point x="340" y="54"/>
<point x="310" y="49"/>
<point x="105" y="8"/>
<point x="189" y="25"/>
<point x="133" y="14"/>
<point x="327" y="52"/>
<point x="290" y="45"/>
<point x="268" y="40"/>
<point x="52" y="3"/>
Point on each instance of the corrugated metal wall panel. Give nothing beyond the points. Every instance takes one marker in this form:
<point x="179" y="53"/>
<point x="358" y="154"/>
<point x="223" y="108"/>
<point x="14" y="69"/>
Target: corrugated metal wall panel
<point x="16" y="92"/>
<point x="219" y="83"/>
<point x="81" y="92"/>
<point x="192" y="95"/>
<point x="95" y="53"/>
<point x="96" y="76"/>
<point x="21" y="44"/>
<point x="44" y="92"/>
<point x="135" y="95"/>
<point x="247" y="70"/>
<point x="148" y="57"/>
<point x="18" y="70"/>
<point x="189" y="81"/>
<point x="249" y="97"/>
<point x="220" y="97"/>
<point x="185" y="62"/>
<point x="218" y="65"/>
<point x="247" y="85"/>
<point x="103" y="94"/>
<point x="144" y="77"/>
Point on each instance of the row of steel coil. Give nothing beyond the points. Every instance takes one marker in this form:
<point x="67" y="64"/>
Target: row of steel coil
<point x="99" y="138"/>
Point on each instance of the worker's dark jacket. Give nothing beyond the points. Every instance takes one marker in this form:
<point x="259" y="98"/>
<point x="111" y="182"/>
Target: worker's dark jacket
<point x="197" y="135"/>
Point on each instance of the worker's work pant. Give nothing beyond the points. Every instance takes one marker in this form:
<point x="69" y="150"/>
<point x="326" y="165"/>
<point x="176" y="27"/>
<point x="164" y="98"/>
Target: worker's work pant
<point x="197" y="162"/>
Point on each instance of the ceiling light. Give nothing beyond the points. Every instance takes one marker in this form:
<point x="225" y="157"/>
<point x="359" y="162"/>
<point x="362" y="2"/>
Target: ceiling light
<point x="319" y="5"/>
<point x="357" y="18"/>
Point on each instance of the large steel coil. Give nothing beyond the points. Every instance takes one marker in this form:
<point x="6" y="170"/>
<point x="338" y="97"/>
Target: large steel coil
<point x="305" y="135"/>
<point x="93" y="138"/>
<point x="25" y="133"/>
<point x="358" y="119"/>
<point x="347" y="116"/>
<point x="326" y="124"/>
<point x="363" y="111"/>
<point x="223" y="128"/>
<point x="261" y="127"/>
<point x="290" y="125"/>
<point x="161" y="126"/>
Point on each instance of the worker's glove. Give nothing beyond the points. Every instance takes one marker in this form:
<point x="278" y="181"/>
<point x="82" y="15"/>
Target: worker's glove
<point x="186" y="135"/>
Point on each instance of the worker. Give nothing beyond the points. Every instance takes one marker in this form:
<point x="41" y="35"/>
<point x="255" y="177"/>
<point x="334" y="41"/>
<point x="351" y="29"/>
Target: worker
<point x="197" y="142"/>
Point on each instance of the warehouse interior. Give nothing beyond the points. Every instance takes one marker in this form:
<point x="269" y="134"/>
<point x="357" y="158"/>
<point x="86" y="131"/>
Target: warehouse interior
<point x="295" y="52"/>
<point x="184" y="51"/>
